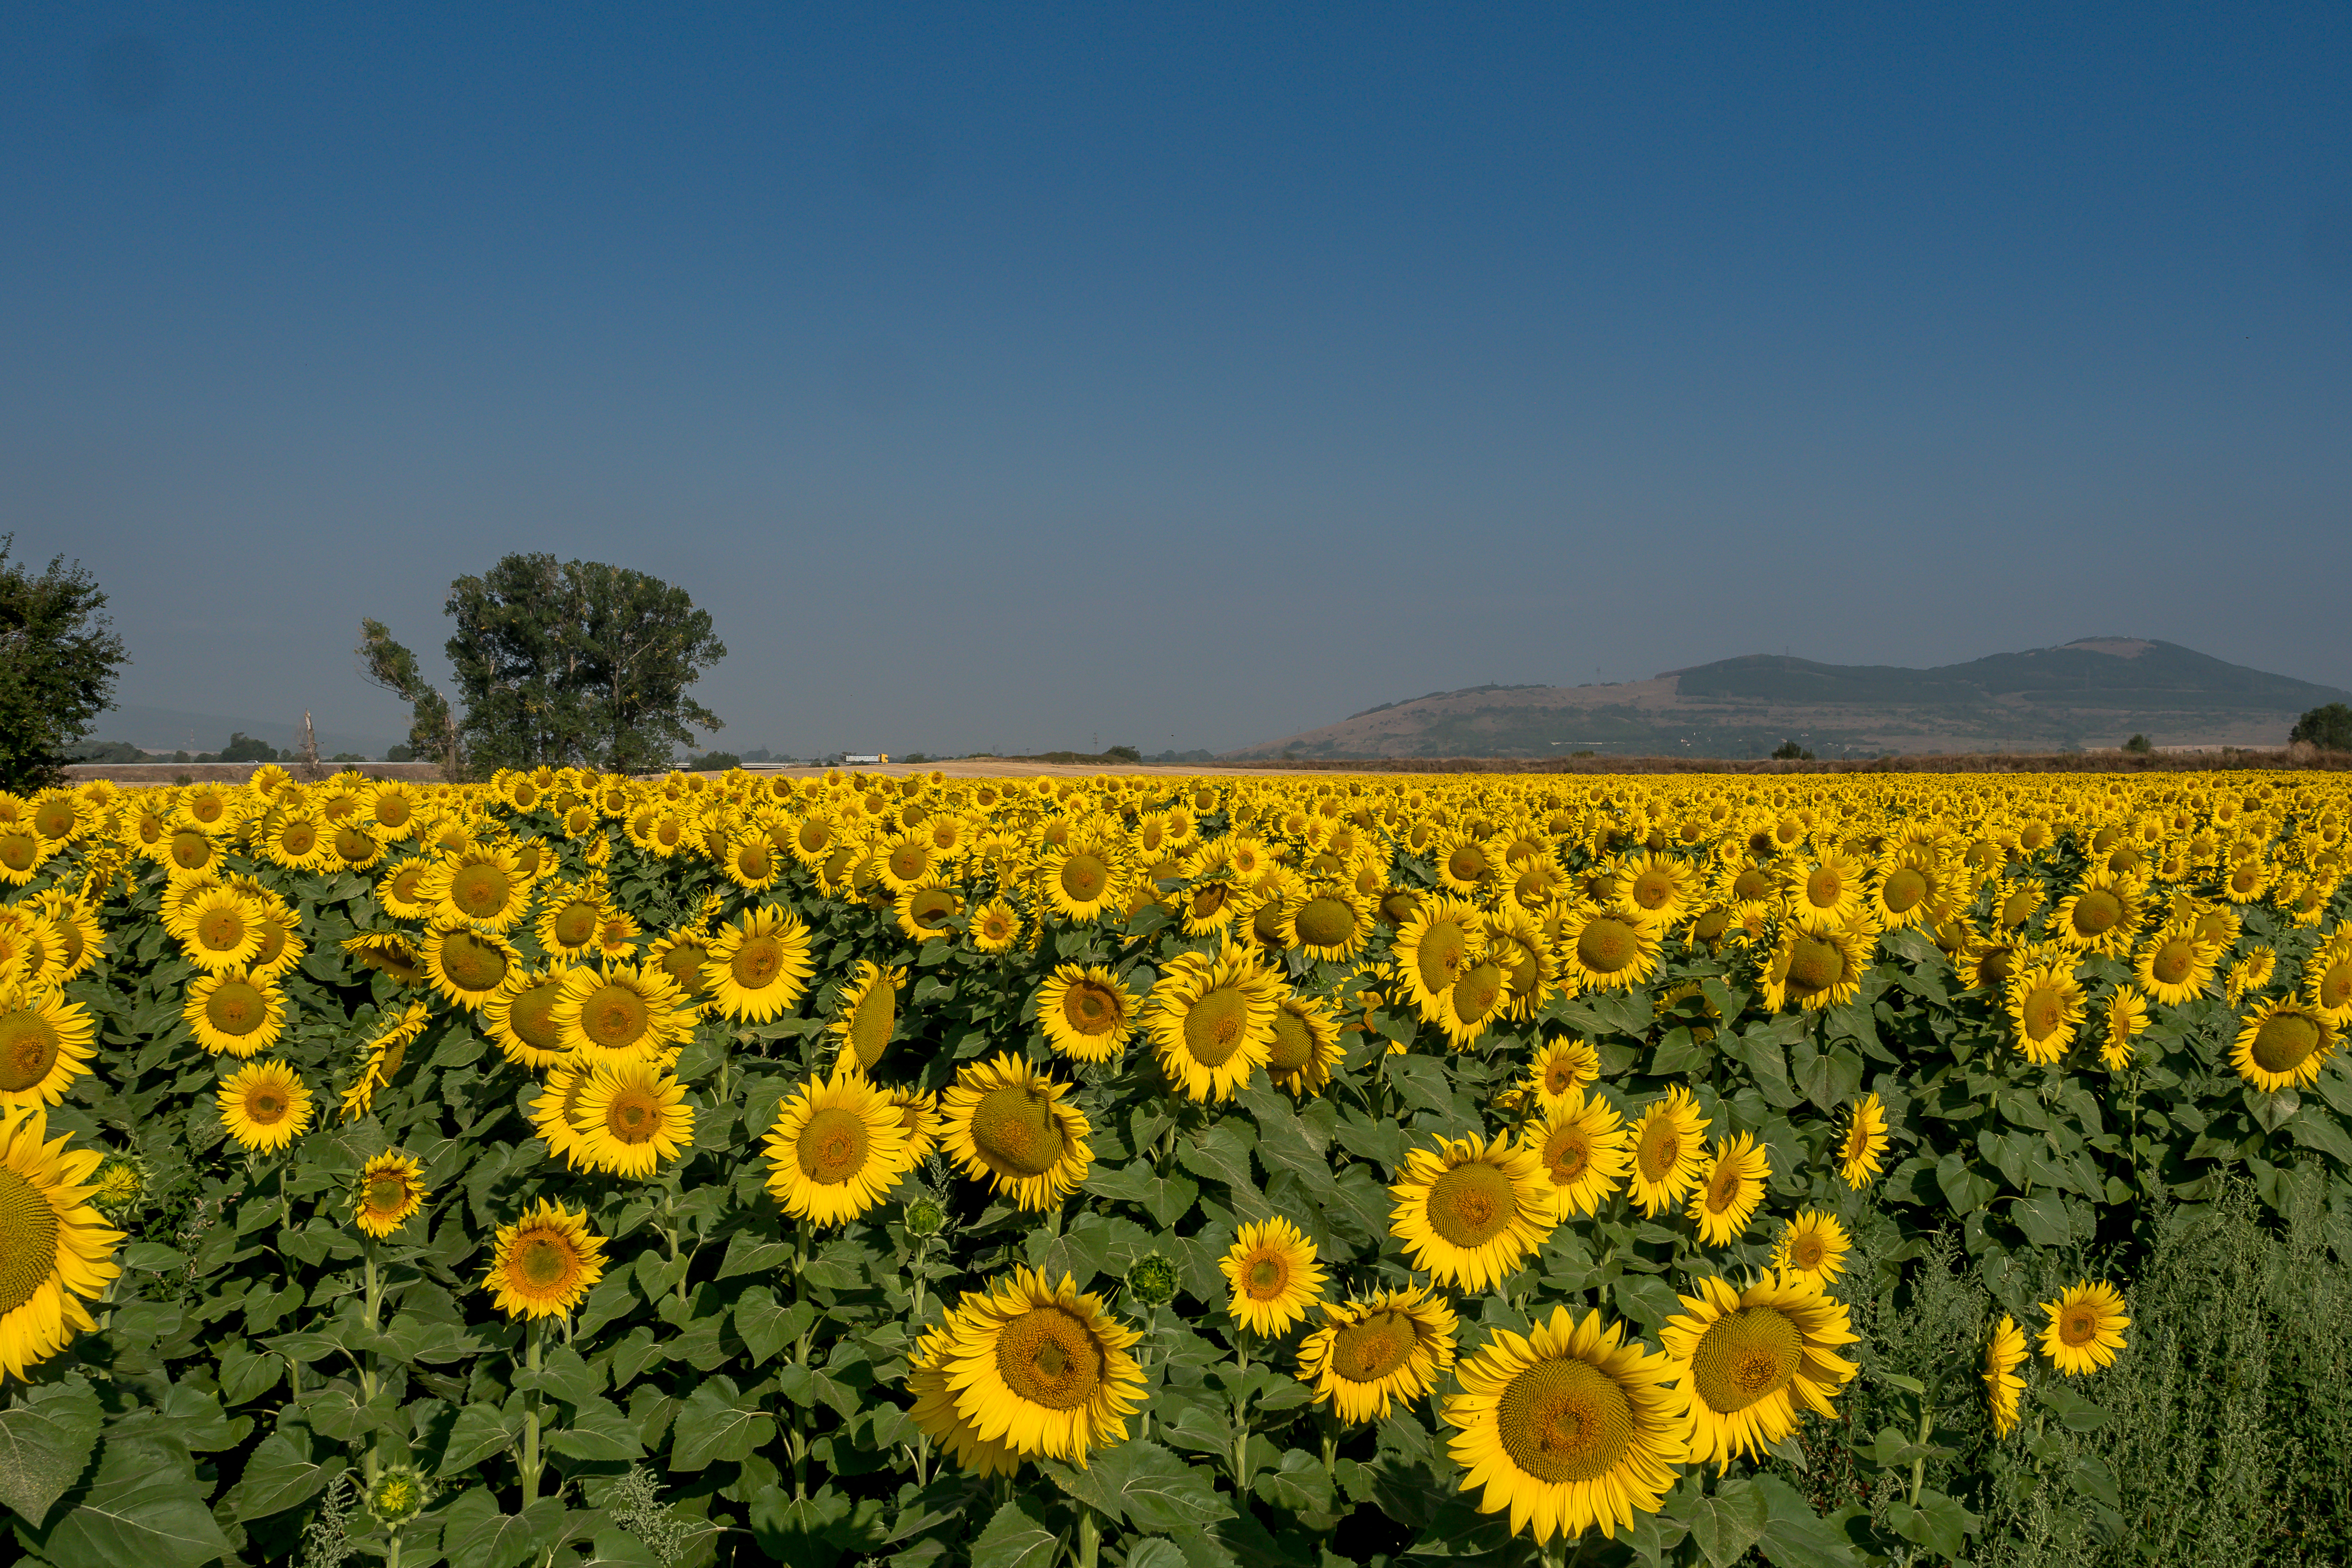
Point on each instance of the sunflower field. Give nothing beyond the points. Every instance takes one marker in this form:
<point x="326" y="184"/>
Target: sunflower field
<point x="1275" y="1172"/>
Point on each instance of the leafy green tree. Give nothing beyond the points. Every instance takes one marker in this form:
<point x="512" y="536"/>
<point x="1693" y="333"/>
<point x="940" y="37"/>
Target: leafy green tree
<point x="388" y="664"/>
<point x="2139" y="745"/>
<point x="578" y="662"/>
<point x="58" y="654"/>
<point x="243" y="747"/>
<point x="714" y="762"/>
<point x="2329" y="728"/>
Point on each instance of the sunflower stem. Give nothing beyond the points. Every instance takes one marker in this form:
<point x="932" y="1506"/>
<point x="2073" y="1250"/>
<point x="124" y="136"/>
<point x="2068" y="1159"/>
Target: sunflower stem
<point x="1089" y="1537"/>
<point x="532" y="1347"/>
<point x="1919" y="1465"/>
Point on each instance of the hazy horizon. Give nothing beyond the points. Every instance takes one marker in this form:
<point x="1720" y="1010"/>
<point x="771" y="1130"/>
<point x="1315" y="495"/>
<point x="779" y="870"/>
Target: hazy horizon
<point x="1185" y="378"/>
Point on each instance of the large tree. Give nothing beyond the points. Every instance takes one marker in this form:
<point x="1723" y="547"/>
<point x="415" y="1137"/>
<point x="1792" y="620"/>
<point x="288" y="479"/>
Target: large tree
<point x="563" y="662"/>
<point x="58" y="654"/>
<point x="386" y="664"/>
<point x="2328" y="727"/>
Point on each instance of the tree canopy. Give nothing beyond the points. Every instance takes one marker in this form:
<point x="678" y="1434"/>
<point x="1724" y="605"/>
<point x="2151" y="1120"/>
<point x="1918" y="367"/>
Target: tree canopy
<point x="58" y="654"/>
<point x="559" y="663"/>
<point x="2328" y="727"/>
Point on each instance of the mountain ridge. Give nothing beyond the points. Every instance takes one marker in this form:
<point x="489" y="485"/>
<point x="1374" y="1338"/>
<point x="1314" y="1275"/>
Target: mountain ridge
<point x="2093" y="692"/>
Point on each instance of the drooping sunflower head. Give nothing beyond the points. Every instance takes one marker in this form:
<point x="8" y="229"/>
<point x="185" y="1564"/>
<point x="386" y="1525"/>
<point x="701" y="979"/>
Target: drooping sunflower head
<point x="2004" y="1354"/>
<point x="2045" y="1005"/>
<point x="1606" y="950"/>
<point x="389" y="1191"/>
<point x="1305" y="1045"/>
<point x="545" y="1263"/>
<point x="466" y="966"/>
<point x="1272" y="1269"/>
<point x="865" y="1014"/>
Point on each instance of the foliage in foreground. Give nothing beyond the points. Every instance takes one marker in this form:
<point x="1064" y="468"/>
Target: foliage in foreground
<point x="265" y="1381"/>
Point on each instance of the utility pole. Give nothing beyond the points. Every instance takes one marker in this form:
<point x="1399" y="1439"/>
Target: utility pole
<point x="310" y="750"/>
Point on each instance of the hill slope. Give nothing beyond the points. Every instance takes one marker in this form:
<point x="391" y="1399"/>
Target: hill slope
<point x="2093" y="693"/>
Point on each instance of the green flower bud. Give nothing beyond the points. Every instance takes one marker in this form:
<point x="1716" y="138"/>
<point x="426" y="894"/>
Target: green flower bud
<point x="1152" y="1280"/>
<point x="925" y="1218"/>
<point x="399" y="1495"/>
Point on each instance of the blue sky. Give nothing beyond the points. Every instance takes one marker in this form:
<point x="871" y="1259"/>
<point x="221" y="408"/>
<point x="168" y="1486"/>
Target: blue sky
<point x="1182" y="376"/>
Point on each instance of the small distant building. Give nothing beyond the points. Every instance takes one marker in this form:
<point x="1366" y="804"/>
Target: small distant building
<point x="854" y="758"/>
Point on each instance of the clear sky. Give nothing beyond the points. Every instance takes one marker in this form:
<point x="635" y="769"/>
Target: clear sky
<point x="1179" y="376"/>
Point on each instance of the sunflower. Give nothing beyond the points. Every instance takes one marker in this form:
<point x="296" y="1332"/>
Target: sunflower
<point x="2045" y="1005"/>
<point x="1914" y="887"/>
<point x="1568" y="1427"/>
<point x="631" y="1116"/>
<point x="390" y="952"/>
<point x="759" y="966"/>
<point x="2086" y="1329"/>
<point x="1746" y="1359"/>
<point x="2126" y="1017"/>
<point x="1465" y="861"/>
<point x="1305" y="1045"/>
<point x="1042" y="1369"/>
<point x="2283" y="1045"/>
<point x="835" y="1148"/>
<point x="79" y="940"/>
<point x="1436" y="945"/>
<point x="44" y="1045"/>
<point x="994" y="926"/>
<point x="217" y="929"/>
<point x="1211" y="1017"/>
<point x="1829" y="893"/>
<point x="621" y="1014"/>
<point x="1087" y="1013"/>
<point x="1326" y="920"/>
<point x="1598" y="950"/>
<point x="1516" y="946"/>
<point x="2100" y="916"/>
<point x="1369" y="1354"/>
<point x="1563" y="1067"/>
<point x="1585" y="1147"/>
<point x="866" y="1013"/>
<point x="234" y="1014"/>
<point x="391" y="1189"/>
<point x="1814" y="1245"/>
<point x="2328" y="981"/>
<point x="1008" y="1125"/>
<point x="520" y="1017"/>
<point x="1668" y="1143"/>
<point x="56" y="1250"/>
<point x="1082" y="880"/>
<point x="2249" y="973"/>
<point x="934" y="1411"/>
<point x="483" y="886"/>
<point x="572" y="916"/>
<point x="2004" y="1354"/>
<point x="468" y="967"/>
<point x="1470" y="1212"/>
<point x="544" y="1264"/>
<point x="1723" y="1202"/>
<point x="265" y="1106"/>
<point x="1478" y="997"/>
<point x="1271" y="1267"/>
<point x="381" y="1057"/>
<point x="552" y="1108"/>
<point x="1816" y="967"/>
<point x="1862" y="1146"/>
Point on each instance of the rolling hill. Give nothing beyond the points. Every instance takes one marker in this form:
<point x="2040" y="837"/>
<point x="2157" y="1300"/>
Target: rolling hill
<point x="2085" y="694"/>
